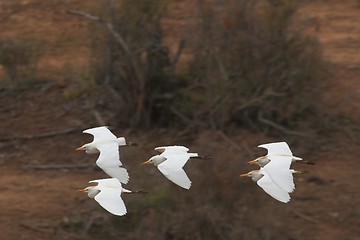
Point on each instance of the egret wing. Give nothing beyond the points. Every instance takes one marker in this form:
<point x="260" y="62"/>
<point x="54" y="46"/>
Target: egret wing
<point x="278" y="148"/>
<point x="100" y="133"/>
<point x="177" y="176"/>
<point x="110" y="199"/>
<point x="107" y="182"/>
<point x="119" y="173"/>
<point x="172" y="149"/>
<point x="175" y="160"/>
<point x="109" y="161"/>
<point x="109" y="155"/>
<point x="272" y="189"/>
<point x="278" y="170"/>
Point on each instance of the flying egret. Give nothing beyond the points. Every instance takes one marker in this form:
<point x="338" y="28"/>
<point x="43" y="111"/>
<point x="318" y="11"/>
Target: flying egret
<point x="107" y="144"/>
<point x="277" y="164"/>
<point x="171" y="162"/>
<point x="107" y="193"/>
<point x="276" y="149"/>
<point x="264" y="181"/>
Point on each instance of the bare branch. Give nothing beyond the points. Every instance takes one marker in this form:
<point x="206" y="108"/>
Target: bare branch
<point x="85" y="15"/>
<point x="99" y="119"/>
<point x="42" y="135"/>
<point x="279" y="127"/>
<point x="303" y="216"/>
<point x="58" y="166"/>
<point x="128" y="53"/>
<point x="186" y="120"/>
<point x="178" y="53"/>
<point x="236" y="146"/>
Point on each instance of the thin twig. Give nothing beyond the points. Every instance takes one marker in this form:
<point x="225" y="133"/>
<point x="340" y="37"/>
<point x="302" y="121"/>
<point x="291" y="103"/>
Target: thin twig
<point x="279" y="127"/>
<point x="178" y="53"/>
<point x="41" y="135"/>
<point x="244" y="144"/>
<point x="128" y="53"/>
<point x="99" y="119"/>
<point x="38" y="227"/>
<point x="226" y="138"/>
<point x="185" y="119"/>
<point x="57" y="166"/>
<point x="303" y="216"/>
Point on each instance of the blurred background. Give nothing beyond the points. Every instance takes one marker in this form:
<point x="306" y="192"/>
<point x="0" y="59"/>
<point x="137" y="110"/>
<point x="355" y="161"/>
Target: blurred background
<point x="218" y="76"/>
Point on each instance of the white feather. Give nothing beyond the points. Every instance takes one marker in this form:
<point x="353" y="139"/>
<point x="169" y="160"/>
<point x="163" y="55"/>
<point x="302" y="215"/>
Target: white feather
<point x="177" y="176"/>
<point x="100" y="133"/>
<point x="109" y="196"/>
<point x="279" y="171"/>
<point x="278" y="148"/>
<point x="272" y="189"/>
<point x="172" y="168"/>
<point x="108" y="146"/>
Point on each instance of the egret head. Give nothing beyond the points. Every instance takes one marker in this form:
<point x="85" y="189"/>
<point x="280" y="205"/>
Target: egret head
<point x="82" y="148"/>
<point x="254" y="174"/>
<point x="86" y="147"/>
<point x="156" y="160"/>
<point x="249" y="174"/>
<point x="87" y="189"/>
<point x="91" y="191"/>
<point x="261" y="161"/>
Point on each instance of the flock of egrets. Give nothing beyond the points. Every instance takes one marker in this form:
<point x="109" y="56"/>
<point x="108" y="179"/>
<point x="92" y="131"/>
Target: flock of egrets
<point x="274" y="176"/>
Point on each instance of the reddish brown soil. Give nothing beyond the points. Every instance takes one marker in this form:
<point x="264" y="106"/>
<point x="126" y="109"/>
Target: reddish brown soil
<point x="36" y="204"/>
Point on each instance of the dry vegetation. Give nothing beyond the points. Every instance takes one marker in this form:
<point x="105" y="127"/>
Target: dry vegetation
<point x="242" y="73"/>
<point x="250" y="67"/>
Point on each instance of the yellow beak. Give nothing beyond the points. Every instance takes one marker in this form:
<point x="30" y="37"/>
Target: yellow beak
<point x="244" y="175"/>
<point x="252" y="162"/>
<point x="81" y="190"/>
<point x="79" y="149"/>
<point x="147" y="162"/>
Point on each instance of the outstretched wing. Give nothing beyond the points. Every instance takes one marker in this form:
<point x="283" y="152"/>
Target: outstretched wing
<point x="278" y="148"/>
<point x="175" y="159"/>
<point x="109" y="161"/>
<point x="100" y="133"/>
<point x="110" y="199"/>
<point x="172" y="149"/>
<point x="177" y="176"/>
<point x="272" y="189"/>
<point x="107" y="182"/>
<point x="119" y="173"/>
<point x="278" y="170"/>
<point x="109" y="196"/>
<point x="109" y="155"/>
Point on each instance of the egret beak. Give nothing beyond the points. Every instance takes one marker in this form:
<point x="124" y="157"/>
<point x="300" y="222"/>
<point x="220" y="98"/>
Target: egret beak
<point x="252" y="162"/>
<point x="147" y="162"/>
<point x="245" y="175"/>
<point x="81" y="190"/>
<point x="79" y="149"/>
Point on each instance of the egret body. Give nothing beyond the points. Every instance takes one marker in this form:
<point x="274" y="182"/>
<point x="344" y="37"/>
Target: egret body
<point x="264" y="181"/>
<point x="107" y="144"/>
<point x="171" y="162"/>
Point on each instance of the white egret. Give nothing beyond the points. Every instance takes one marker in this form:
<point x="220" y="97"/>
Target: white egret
<point x="107" y="144"/>
<point x="277" y="164"/>
<point x="279" y="171"/>
<point x="264" y="181"/>
<point x="171" y="162"/>
<point x="107" y="193"/>
<point x="275" y="149"/>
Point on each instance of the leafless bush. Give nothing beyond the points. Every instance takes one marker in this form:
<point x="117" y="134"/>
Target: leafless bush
<point x="130" y="57"/>
<point x="253" y="67"/>
<point x="19" y="58"/>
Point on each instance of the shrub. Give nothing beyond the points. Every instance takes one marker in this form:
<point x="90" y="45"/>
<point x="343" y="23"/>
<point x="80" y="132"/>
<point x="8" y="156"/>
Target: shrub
<point x="19" y="58"/>
<point x="135" y="62"/>
<point x="252" y="67"/>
